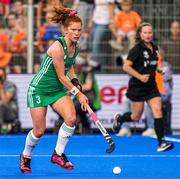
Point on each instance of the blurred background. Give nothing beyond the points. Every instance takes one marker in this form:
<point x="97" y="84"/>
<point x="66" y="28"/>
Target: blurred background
<point x="107" y="35"/>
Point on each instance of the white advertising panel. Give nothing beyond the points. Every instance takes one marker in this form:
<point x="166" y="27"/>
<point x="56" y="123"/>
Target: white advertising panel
<point x="111" y="88"/>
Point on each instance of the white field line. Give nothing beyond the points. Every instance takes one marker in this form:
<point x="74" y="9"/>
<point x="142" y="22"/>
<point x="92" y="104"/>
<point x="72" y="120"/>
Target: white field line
<point x="172" y="139"/>
<point x="101" y="156"/>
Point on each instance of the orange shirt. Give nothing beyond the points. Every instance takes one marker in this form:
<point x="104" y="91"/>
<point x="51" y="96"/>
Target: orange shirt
<point x="40" y="33"/>
<point x="3" y="40"/>
<point x="17" y="42"/>
<point x="159" y="77"/>
<point x="127" y="22"/>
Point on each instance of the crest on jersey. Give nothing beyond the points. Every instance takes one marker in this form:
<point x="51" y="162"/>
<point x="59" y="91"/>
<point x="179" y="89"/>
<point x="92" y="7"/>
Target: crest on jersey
<point x="146" y="55"/>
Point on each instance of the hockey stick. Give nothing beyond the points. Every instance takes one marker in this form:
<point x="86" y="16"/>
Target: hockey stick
<point x="102" y="129"/>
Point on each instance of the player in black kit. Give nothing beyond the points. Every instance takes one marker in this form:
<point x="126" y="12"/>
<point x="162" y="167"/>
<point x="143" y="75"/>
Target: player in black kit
<point x="141" y="64"/>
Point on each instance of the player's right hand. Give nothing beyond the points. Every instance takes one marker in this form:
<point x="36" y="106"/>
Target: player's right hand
<point x="83" y="100"/>
<point x="76" y="83"/>
<point x="145" y="78"/>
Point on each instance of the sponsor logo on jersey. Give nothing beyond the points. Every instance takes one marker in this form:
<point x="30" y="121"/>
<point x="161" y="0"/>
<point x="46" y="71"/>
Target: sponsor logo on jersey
<point x="146" y="55"/>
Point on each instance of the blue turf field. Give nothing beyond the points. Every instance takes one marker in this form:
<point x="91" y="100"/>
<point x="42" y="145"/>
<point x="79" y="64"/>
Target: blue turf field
<point x="136" y="155"/>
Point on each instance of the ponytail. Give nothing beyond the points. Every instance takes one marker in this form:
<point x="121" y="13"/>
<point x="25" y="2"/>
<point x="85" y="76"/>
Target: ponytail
<point x="64" y="16"/>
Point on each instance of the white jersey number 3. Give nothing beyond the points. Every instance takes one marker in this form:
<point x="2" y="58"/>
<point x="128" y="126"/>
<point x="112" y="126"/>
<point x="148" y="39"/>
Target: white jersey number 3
<point x="38" y="100"/>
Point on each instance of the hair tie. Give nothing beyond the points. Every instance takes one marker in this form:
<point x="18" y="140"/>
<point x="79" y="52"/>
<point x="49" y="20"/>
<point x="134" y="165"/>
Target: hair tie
<point x="72" y="13"/>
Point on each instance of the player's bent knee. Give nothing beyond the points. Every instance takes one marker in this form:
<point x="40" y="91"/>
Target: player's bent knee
<point x="39" y="132"/>
<point x="71" y="120"/>
<point x="157" y="113"/>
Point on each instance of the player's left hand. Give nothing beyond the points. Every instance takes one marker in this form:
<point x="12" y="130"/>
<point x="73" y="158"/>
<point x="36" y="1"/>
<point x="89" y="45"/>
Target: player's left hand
<point x="145" y="78"/>
<point x="83" y="100"/>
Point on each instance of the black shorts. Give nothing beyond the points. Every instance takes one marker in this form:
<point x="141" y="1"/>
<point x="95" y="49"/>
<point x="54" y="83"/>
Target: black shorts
<point x="142" y="93"/>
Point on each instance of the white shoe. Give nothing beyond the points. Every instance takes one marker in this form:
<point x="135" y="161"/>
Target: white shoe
<point x="124" y="132"/>
<point x="164" y="146"/>
<point x="148" y="132"/>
